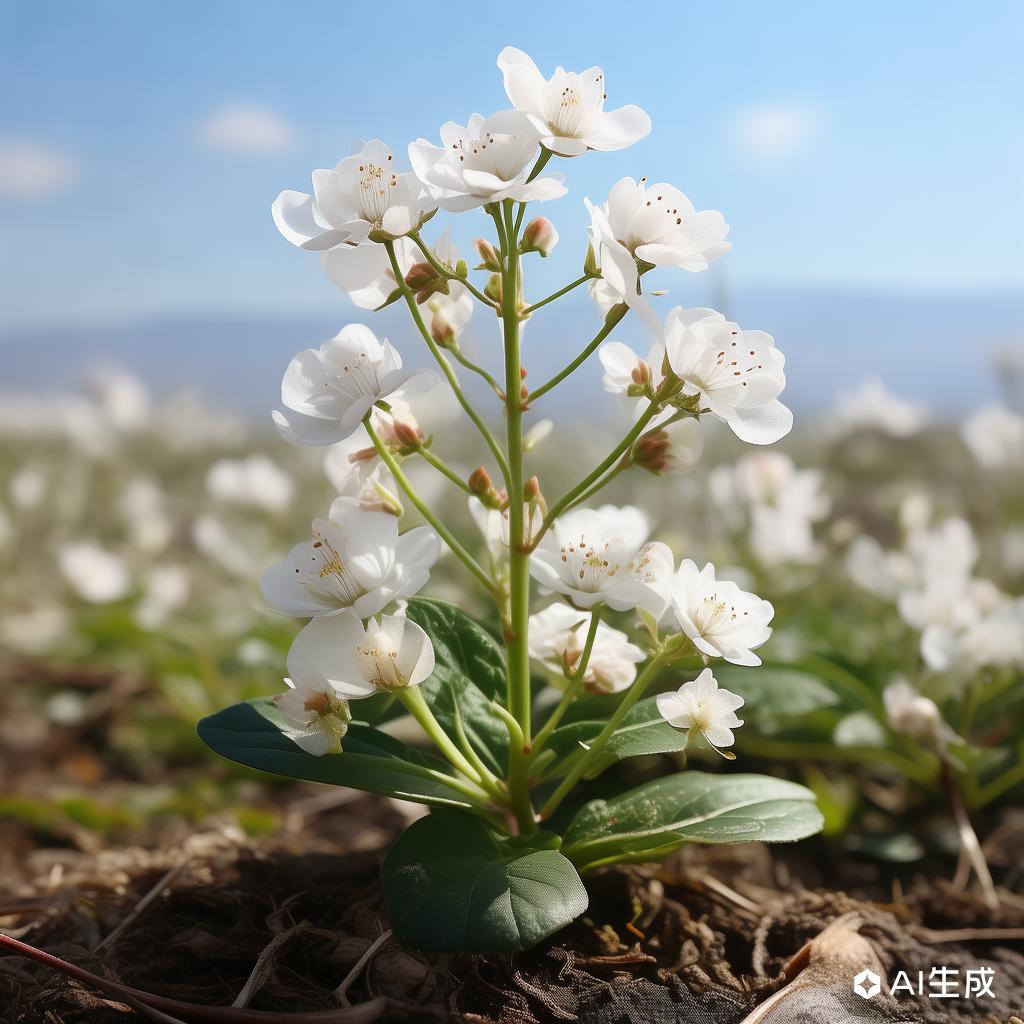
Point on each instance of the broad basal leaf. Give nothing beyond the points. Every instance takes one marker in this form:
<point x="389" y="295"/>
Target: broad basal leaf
<point x="249" y="733"/>
<point x="694" y="807"/>
<point x="452" y="885"/>
<point x="469" y="673"/>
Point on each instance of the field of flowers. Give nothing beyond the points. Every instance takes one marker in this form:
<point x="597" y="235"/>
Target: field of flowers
<point x="133" y="533"/>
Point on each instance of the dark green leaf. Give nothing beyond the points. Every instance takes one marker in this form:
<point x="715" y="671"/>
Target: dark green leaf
<point x="250" y="734"/>
<point x="469" y="673"/>
<point x="643" y="731"/>
<point x="694" y="807"/>
<point x="452" y="885"/>
<point x="771" y="693"/>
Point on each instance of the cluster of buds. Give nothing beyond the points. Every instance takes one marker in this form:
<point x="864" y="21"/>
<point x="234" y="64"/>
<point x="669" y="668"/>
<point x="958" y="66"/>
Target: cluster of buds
<point x="425" y="281"/>
<point x="481" y="485"/>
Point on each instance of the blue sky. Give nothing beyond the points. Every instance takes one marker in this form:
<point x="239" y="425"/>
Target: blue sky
<point x="870" y="145"/>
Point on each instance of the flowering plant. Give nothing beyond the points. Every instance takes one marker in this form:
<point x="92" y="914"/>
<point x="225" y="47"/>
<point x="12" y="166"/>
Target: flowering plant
<point x="496" y="864"/>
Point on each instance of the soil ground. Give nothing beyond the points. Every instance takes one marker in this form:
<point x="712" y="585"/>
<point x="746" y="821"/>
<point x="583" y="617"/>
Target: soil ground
<point x="702" y="939"/>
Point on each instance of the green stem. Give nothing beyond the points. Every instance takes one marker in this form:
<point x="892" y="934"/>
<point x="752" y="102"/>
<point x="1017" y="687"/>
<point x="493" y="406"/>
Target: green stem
<point x="487" y="777"/>
<point x="446" y="273"/>
<point x="460" y="357"/>
<point x="572" y="691"/>
<point x="442" y="467"/>
<point x="417" y="706"/>
<point x="557" y="295"/>
<point x="570" y="497"/>
<point x="446" y="368"/>
<point x="1001" y="784"/>
<point x="610" y="323"/>
<point x="424" y="509"/>
<point x="519" y="696"/>
<point x="545" y="156"/>
<point x="633" y="694"/>
<point x="600" y="485"/>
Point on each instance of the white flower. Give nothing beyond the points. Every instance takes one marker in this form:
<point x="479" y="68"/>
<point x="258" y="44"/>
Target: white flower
<point x="356" y="562"/>
<point x="255" y="482"/>
<point x="363" y="194"/>
<point x="567" y="109"/>
<point x="493" y="524"/>
<point x="657" y="224"/>
<point x="484" y="162"/>
<point x="914" y="715"/>
<point x="602" y="556"/>
<point x="701" y="705"/>
<point x="721" y="620"/>
<point x="95" y="574"/>
<point x="995" y="437"/>
<point x="625" y="373"/>
<point x="222" y="545"/>
<point x="672" y="448"/>
<point x="327" y="391"/>
<point x="165" y="590"/>
<point x="28" y="487"/>
<point x="314" y="716"/>
<point x="738" y="374"/>
<point x="388" y="654"/>
<point x="143" y="506"/>
<point x="873" y="406"/>
<point x="558" y="635"/>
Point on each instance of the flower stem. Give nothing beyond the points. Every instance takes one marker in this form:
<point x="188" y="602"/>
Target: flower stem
<point x="460" y="357"/>
<point x="633" y="694"/>
<point x="611" y="321"/>
<point x="443" y="468"/>
<point x="517" y="625"/>
<point x="487" y="778"/>
<point x="446" y="368"/>
<point x="557" y="295"/>
<point x="417" y="706"/>
<point x="446" y="273"/>
<point x="443" y="532"/>
<point x="570" y="497"/>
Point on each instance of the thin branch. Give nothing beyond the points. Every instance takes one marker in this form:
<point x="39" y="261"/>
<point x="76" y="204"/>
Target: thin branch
<point x="557" y="295"/>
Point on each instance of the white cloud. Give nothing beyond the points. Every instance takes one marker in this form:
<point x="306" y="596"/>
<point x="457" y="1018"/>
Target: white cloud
<point x="776" y="133"/>
<point x="31" y="171"/>
<point x="246" y="129"/>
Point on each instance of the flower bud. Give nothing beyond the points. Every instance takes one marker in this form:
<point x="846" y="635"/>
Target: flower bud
<point x="483" y="488"/>
<point x="407" y="434"/>
<point x="590" y="267"/>
<point x="672" y="448"/>
<point x="441" y="330"/>
<point x="540" y="236"/>
<point x="489" y="258"/>
<point x="420" y="275"/>
<point x="531" y="489"/>
<point x="493" y="289"/>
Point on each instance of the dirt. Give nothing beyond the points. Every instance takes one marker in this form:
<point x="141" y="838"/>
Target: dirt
<point x="703" y="939"/>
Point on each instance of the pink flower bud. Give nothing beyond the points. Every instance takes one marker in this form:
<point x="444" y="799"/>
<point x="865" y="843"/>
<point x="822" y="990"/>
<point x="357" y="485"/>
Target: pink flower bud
<point x="489" y="258"/>
<point x="540" y="236"/>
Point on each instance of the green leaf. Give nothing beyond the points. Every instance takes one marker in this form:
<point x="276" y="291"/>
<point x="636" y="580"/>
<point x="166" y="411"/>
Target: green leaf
<point x="772" y="693"/>
<point x="452" y="885"/>
<point x="469" y="672"/>
<point x="643" y="731"/>
<point x="694" y="807"/>
<point x="250" y="734"/>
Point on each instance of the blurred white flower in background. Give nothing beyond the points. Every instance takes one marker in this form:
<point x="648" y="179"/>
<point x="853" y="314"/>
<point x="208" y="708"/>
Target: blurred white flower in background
<point x="94" y="573"/>
<point x="221" y="545"/>
<point x="252" y="482"/>
<point x="123" y="400"/>
<point x="873" y="406"/>
<point x="995" y="437"/>
<point x="558" y="635"/>
<point x="165" y="590"/>
<point x="37" y="631"/>
<point x="143" y="507"/>
<point x="28" y="487"/>
<point x="915" y="715"/>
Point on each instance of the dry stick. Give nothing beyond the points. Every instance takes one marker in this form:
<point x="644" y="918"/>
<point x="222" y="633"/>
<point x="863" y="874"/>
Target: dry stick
<point x="718" y="886"/>
<point x="193" y="1013"/>
<point x="969" y="844"/>
<point x="261" y="970"/>
<point x="970" y="935"/>
<point x="341" y="991"/>
<point x="146" y="900"/>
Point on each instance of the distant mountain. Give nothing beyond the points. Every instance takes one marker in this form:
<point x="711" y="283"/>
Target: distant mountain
<point x="937" y="348"/>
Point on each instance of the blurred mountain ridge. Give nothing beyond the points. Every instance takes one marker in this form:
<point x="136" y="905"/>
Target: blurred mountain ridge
<point x="940" y="349"/>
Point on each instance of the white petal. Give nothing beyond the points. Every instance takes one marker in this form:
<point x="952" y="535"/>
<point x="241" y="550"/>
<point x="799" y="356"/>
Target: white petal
<point x="762" y="424"/>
